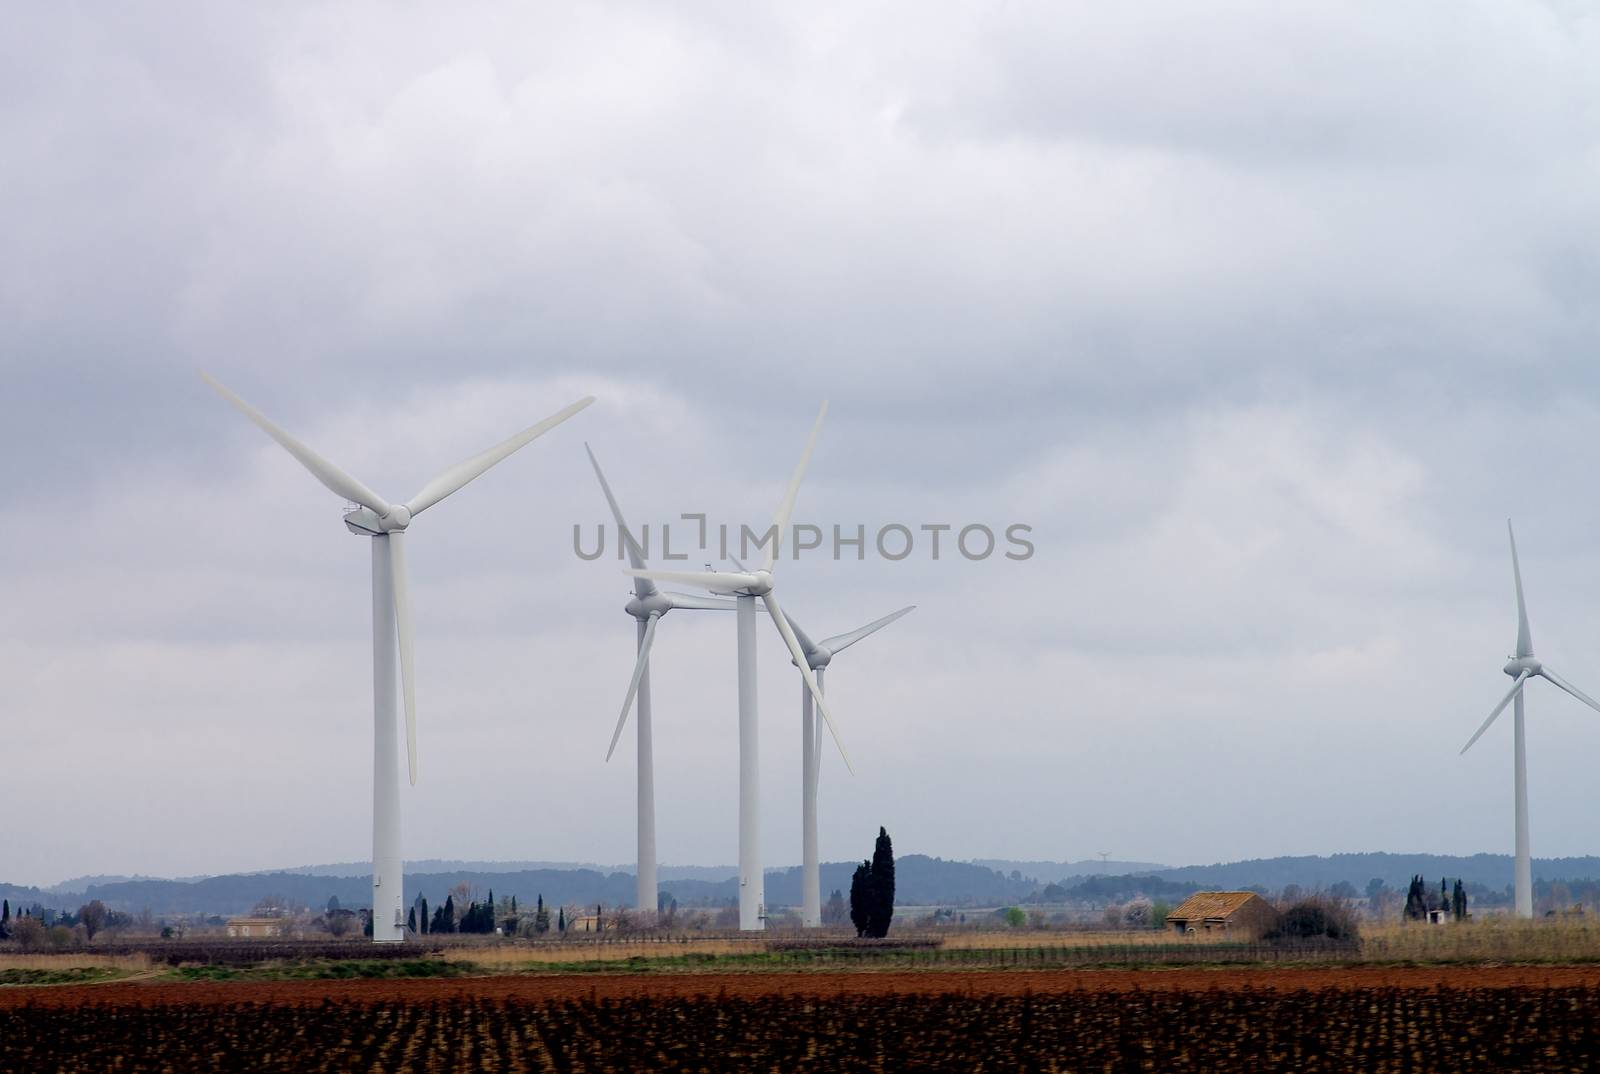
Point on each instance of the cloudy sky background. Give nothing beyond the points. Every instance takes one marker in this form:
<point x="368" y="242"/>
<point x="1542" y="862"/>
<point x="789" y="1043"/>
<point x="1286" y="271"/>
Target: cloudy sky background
<point x="1264" y="318"/>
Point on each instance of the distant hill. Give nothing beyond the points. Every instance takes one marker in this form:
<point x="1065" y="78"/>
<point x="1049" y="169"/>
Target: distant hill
<point x="79" y="884"/>
<point x="1395" y="870"/>
<point x="20" y="895"/>
<point x="920" y="881"/>
<point x="1057" y="872"/>
<point x="1100" y="890"/>
<point x="448" y="865"/>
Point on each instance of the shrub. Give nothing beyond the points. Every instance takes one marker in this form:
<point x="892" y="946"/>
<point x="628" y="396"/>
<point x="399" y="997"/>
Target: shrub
<point x="1316" y="918"/>
<point x="29" y="932"/>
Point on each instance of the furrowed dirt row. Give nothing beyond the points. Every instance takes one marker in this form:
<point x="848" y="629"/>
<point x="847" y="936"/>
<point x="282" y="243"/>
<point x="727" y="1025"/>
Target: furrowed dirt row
<point x="536" y="988"/>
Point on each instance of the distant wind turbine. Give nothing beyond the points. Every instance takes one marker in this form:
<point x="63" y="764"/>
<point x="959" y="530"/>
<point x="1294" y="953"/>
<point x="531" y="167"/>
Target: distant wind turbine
<point x="748" y="587"/>
<point x="386" y="524"/>
<point x="1522" y="666"/>
<point x="648" y="605"/>
<point x="818" y="656"/>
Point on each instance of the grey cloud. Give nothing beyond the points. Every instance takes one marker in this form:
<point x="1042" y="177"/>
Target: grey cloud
<point x="1265" y="320"/>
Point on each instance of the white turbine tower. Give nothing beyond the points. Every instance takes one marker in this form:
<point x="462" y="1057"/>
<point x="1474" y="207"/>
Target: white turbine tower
<point x="747" y="587"/>
<point x="648" y="605"/>
<point x="819" y="655"/>
<point x="1521" y="667"/>
<point x="386" y="524"/>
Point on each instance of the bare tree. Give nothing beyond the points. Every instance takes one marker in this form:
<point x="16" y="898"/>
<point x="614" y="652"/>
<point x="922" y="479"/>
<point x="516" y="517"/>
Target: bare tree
<point x="29" y="932"/>
<point x="1137" y="914"/>
<point x="92" y="916"/>
<point x="272" y="906"/>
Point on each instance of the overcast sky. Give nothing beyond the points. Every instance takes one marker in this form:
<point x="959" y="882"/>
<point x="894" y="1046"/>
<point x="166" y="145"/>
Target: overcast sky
<point x="1264" y="317"/>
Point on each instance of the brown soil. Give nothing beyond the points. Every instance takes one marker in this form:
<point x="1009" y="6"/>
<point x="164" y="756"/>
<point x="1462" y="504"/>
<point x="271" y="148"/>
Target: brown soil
<point x="980" y="982"/>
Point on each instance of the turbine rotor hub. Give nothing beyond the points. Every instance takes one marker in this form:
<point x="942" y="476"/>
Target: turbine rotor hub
<point x="762" y="585"/>
<point x="657" y="603"/>
<point x="1518" y="664"/>
<point x="398" y="518"/>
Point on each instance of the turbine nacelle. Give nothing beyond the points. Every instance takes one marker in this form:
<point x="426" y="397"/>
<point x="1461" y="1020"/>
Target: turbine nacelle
<point x="1516" y="665"/>
<point x="365" y="522"/>
<point x="657" y="603"/>
<point x="760" y="584"/>
<point x="817" y="656"/>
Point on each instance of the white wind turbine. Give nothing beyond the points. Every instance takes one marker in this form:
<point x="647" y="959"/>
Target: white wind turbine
<point x="386" y="524"/>
<point x="818" y="656"/>
<point x="1522" y="666"/>
<point x="648" y="605"/>
<point x="747" y="587"/>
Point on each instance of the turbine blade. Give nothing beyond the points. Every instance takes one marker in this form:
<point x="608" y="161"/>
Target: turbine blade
<point x="1498" y="709"/>
<point x="1569" y="688"/>
<point x="642" y="587"/>
<point x="335" y="479"/>
<point x="805" y="672"/>
<point x="458" y="475"/>
<point x="1524" y="635"/>
<point x="704" y="604"/>
<point x="786" y="508"/>
<point x="402" y="618"/>
<point x="805" y="640"/>
<point x="840" y="642"/>
<point x="633" y="686"/>
<point x="716" y="581"/>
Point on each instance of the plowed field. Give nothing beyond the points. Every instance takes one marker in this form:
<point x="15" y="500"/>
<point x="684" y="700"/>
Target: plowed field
<point x="538" y="989"/>
<point x="1381" y="1019"/>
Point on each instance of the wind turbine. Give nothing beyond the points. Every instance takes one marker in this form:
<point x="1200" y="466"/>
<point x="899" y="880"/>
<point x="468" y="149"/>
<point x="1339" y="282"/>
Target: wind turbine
<point x="818" y="656"/>
<point x="747" y="587"/>
<point x="386" y="524"/>
<point x="648" y="605"/>
<point x="1522" y="666"/>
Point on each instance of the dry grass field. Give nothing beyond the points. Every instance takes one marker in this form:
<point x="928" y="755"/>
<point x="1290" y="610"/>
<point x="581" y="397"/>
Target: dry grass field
<point x="127" y="963"/>
<point x="510" y="956"/>
<point x="1492" y="939"/>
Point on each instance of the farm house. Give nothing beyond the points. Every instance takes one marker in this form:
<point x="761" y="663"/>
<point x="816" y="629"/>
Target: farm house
<point x="1241" y="913"/>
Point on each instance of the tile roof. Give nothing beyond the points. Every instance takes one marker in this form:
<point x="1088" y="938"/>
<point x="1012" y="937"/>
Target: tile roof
<point x="1203" y="905"/>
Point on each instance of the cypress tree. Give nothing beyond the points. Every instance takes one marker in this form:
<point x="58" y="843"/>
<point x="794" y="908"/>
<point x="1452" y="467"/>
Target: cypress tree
<point x="860" y="896"/>
<point x="449" y="912"/>
<point x="411" y="920"/>
<point x="1416" y="900"/>
<point x="424" y="921"/>
<point x="561" y="918"/>
<point x="882" y="902"/>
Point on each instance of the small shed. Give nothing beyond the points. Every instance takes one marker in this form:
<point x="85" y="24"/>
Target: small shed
<point x="1236" y="913"/>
